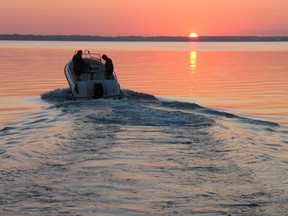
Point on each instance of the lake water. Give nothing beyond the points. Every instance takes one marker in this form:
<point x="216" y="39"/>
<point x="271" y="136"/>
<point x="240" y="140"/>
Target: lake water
<point x="203" y="130"/>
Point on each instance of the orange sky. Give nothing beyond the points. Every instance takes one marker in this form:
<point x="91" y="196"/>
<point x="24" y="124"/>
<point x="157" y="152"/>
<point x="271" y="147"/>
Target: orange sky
<point x="145" y="17"/>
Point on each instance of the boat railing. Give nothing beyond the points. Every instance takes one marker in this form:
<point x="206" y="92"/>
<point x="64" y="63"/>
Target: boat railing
<point x="89" y="55"/>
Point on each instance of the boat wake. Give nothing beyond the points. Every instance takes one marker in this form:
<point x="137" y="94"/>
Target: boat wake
<point x="117" y="152"/>
<point x="60" y="97"/>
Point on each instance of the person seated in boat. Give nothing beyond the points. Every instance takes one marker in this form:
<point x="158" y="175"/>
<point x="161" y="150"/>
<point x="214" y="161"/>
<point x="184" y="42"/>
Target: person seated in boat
<point x="80" y="66"/>
<point x="109" y="67"/>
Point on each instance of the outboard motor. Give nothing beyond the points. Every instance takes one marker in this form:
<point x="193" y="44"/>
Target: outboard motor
<point x="98" y="91"/>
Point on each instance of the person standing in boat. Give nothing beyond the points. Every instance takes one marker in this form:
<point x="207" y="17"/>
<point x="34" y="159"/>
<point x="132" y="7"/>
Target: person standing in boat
<point x="79" y="64"/>
<point x="109" y="67"/>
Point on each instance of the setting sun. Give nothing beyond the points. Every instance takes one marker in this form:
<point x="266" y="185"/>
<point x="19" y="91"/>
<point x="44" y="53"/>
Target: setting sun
<point x="193" y="35"/>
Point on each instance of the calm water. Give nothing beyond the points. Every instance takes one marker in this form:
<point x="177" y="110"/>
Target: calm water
<point x="202" y="131"/>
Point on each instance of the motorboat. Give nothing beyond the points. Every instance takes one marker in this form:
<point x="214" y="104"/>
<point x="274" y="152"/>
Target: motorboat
<point x="92" y="82"/>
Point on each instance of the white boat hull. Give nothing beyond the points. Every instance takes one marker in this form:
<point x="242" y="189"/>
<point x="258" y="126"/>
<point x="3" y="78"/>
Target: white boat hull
<point x="92" y="84"/>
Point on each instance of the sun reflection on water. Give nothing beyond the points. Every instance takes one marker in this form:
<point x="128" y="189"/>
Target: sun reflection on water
<point x="193" y="61"/>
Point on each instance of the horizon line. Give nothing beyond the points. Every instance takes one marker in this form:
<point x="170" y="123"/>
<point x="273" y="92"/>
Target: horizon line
<point x="80" y="35"/>
<point x="37" y="37"/>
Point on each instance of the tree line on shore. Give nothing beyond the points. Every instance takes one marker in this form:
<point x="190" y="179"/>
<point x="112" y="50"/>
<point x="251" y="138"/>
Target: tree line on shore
<point x="33" y="37"/>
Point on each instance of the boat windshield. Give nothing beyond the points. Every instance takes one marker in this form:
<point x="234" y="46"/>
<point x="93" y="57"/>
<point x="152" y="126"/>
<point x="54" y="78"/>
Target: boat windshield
<point x="90" y="55"/>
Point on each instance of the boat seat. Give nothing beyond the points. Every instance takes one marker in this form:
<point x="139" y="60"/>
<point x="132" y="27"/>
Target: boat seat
<point x="97" y="76"/>
<point x="95" y="68"/>
<point x="85" y="76"/>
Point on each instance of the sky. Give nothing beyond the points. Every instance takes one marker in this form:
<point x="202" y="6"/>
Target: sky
<point x="145" y="17"/>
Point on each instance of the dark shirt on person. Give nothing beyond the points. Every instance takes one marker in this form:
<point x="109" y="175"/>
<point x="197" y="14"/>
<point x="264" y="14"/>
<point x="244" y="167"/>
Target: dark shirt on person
<point x="109" y="67"/>
<point x="79" y="64"/>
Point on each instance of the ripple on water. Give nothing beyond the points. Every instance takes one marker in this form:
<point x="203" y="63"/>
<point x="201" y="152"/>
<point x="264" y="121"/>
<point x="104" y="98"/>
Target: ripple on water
<point x="135" y="157"/>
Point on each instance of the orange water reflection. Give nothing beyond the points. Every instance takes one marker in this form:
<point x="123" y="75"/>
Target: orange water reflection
<point x="253" y="82"/>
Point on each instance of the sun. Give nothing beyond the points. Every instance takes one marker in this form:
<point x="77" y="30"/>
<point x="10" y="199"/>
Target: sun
<point x="193" y="35"/>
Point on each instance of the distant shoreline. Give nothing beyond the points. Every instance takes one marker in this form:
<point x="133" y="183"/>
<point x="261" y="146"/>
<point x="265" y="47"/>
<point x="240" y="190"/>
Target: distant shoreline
<point x="31" y="37"/>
